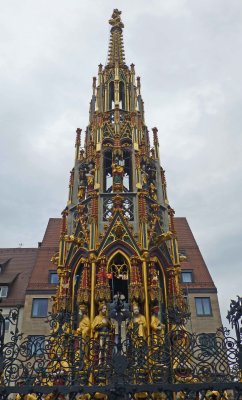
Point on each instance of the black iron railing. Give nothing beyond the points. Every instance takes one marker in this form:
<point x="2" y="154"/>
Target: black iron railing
<point x="179" y="365"/>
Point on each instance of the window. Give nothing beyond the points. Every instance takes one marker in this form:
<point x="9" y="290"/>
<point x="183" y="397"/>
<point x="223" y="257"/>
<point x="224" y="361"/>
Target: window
<point x="3" y="291"/>
<point x="186" y="276"/>
<point x="121" y="95"/>
<point x="127" y="181"/>
<point x="39" y="307"/>
<point x="111" y="95"/>
<point x="208" y="343"/>
<point x="53" y="277"/>
<point x="35" y="345"/>
<point x="107" y="176"/>
<point x="203" y="306"/>
<point x="6" y="323"/>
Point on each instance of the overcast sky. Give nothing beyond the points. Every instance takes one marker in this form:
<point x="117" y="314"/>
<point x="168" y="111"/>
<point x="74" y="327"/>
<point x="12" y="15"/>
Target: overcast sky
<point x="188" y="54"/>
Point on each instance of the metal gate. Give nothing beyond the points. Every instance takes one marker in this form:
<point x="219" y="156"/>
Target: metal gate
<point x="63" y="365"/>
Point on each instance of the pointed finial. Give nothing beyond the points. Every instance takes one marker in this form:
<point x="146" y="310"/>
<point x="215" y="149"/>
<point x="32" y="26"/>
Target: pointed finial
<point x="116" y="50"/>
<point x="115" y="20"/>
<point x="94" y="81"/>
<point x="138" y="84"/>
<point x="78" y="137"/>
<point x="155" y="135"/>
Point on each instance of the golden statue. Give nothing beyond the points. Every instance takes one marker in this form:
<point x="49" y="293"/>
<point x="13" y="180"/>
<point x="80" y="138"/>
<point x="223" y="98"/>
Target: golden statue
<point x="84" y="328"/>
<point x="118" y="172"/>
<point x="144" y="178"/>
<point x="117" y="169"/>
<point x="90" y="176"/>
<point x="103" y="329"/>
<point x="102" y="325"/>
<point x="157" y="328"/>
<point x="29" y="396"/>
<point x="138" y="324"/>
<point x="153" y="191"/>
<point x="90" y="180"/>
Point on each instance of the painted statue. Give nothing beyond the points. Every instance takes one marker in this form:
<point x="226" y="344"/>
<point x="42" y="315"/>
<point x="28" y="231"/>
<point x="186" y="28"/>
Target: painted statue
<point x="144" y="177"/>
<point x="118" y="172"/>
<point x="137" y="325"/>
<point x="84" y="328"/>
<point x="103" y="331"/>
<point x="156" y="327"/>
<point x="90" y="176"/>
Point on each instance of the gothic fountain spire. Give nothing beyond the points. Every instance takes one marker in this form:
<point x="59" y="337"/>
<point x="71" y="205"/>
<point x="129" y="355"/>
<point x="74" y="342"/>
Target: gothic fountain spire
<point x="118" y="235"/>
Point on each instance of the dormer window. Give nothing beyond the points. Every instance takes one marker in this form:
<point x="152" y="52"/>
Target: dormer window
<point x="53" y="277"/>
<point x="186" y="276"/>
<point x="3" y="265"/>
<point x="3" y="291"/>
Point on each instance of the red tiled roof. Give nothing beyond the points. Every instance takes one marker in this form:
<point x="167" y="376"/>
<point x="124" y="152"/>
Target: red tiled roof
<point x="16" y="273"/>
<point x="195" y="261"/>
<point x="52" y="233"/>
<point x="8" y="278"/>
<point x="50" y="245"/>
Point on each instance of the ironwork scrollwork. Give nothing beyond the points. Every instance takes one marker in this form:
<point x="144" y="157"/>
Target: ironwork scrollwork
<point x="65" y="363"/>
<point x="67" y="359"/>
<point x="235" y="317"/>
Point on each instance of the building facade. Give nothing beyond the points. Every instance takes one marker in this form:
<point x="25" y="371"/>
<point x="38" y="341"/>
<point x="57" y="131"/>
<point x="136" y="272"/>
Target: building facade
<point x="16" y="265"/>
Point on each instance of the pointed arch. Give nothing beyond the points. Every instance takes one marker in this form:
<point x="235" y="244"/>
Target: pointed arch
<point x="119" y="269"/>
<point x="158" y="289"/>
<point x="126" y="132"/>
<point x="119" y="251"/>
<point x="128" y="176"/>
<point x="80" y="253"/>
<point x="121" y="95"/>
<point x="121" y="246"/>
<point x="162" y="253"/>
<point x="111" y="95"/>
<point x="107" y="171"/>
<point x="76" y="267"/>
<point x="107" y="132"/>
<point x="122" y="75"/>
<point x="164" y="276"/>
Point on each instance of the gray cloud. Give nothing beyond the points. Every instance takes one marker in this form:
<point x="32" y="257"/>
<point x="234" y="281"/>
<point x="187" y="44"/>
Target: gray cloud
<point x="188" y="55"/>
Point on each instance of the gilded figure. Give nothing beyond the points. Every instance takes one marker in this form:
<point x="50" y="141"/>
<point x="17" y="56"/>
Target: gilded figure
<point x="84" y="328"/>
<point x="103" y="331"/>
<point x="157" y="328"/>
<point x="137" y="326"/>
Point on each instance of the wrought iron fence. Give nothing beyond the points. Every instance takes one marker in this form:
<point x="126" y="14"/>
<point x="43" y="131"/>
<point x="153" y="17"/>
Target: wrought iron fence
<point x="179" y="365"/>
<point x="70" y="360"/>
